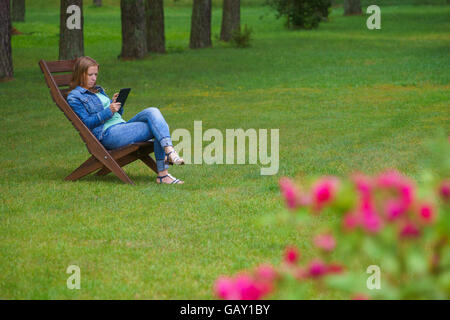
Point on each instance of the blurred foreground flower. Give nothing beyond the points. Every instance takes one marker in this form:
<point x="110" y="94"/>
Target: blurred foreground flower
<point x="245" y="286"/>
<point x="387" y="221"/>
<point x="384" y="222"/>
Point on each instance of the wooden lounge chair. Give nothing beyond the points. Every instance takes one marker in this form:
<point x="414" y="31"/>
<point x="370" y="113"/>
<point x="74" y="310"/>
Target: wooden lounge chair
<point x="59" y="74"/>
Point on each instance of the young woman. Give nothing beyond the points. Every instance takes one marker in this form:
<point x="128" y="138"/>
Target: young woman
<point x="103" y="117"/>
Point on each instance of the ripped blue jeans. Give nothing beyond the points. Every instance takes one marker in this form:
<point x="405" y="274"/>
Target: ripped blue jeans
<point x="146" y="125"/>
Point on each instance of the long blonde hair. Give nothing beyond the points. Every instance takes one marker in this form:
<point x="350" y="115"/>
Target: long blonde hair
<point x="80" y="70"/>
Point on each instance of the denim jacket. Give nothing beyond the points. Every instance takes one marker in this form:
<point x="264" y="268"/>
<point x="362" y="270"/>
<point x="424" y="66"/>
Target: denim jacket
<point x="90" y="109"/>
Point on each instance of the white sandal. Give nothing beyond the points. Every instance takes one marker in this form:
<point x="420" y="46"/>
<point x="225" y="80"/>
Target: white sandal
<point x="173" y="158"/>
<point x="175" y="180"/>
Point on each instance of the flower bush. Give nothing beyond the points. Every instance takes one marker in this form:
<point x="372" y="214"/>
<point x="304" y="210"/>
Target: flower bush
<point x="386" y="220"/>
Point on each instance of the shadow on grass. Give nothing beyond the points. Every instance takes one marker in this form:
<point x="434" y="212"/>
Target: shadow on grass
<point x="58" y="174"/>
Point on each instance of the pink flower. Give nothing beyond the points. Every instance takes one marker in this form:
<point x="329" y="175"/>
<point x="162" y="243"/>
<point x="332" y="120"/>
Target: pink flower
<point x="224" y="288"/>
<point x="247" y="288"/>
<point x="266" y="272"/>
<point x="406" y="192"/>
<point x="444" y="190"/>
<point x="389" y="179"/>
<point x="409" y="230"/>
<point x="404" y="188"/>
<point x="325" y="242"/>
<point x="317" y="268"/>
<point x="394" y="209"/>
<point x="335" y="268"/>
<point x="371" y="222"/>
<point x="365" y="215"/>
<point x="360" y="296"/>
<point x="291" y="193"/>
<point x="426" y="213"/>
<point x="350" y="221"/>
<point x="265" y="276"/>
<point x="324" y="191"/>
<point x="242" y="287"/>
<point x="264" y="288"/>
<point x="291" y="255"/>
<point x="364" y="184"/>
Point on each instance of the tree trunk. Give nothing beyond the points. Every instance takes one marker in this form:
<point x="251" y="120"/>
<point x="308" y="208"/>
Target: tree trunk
<point x="6" y="66"/>
<point x="134" y="42"/>
<point x="231" y="18"/>
<point x="352" y="7"/>
<point x="71" y="40"/>
<point x="98" y="3"/>
<point x="156" y="41"/>
<point x="18" y="11"/>
<point x="201" y="24"/>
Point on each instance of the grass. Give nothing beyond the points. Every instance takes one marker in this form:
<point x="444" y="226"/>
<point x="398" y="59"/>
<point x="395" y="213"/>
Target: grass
<point x="344" y="98"/>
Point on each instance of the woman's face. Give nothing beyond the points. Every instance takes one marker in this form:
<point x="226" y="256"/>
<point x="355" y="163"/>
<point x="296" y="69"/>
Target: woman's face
<point x="91" y="77"/>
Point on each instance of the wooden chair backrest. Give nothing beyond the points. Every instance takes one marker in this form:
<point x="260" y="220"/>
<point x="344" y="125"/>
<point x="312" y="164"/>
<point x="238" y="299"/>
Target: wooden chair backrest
<point x="58" y="75"/>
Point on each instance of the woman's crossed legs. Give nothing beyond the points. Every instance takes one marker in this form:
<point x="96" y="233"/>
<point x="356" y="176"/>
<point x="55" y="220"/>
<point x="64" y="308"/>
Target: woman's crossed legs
<point x="146" y="125"/>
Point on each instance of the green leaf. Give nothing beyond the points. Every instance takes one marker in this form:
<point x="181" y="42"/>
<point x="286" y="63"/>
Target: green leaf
<point x="349" y="282"/>
<point x="416" y="263"/>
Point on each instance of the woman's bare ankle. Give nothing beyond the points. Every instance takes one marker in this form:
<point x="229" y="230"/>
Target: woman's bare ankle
<point x="163" y="173"/>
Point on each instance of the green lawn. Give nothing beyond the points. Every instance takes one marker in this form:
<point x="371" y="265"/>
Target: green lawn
<point x="344" y="98"/>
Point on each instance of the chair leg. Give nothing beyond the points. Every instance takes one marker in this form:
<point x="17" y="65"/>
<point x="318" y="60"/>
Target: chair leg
<point x="90" y="165"/>
<point x="106" y="163"/>
<point x="122" y="162"/>
<point x="149" y="162"/>
<point x="128" y="159"/>
<point x="113" y="166"/>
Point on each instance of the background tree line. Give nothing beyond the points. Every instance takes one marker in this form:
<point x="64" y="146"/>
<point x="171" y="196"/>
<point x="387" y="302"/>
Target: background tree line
<point x="142" y="26"/>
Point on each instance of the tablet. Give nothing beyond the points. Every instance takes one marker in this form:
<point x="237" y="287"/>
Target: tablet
<point x="123" y="95"/>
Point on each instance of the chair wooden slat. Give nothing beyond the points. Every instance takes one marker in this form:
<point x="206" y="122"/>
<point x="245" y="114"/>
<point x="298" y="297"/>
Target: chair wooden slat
<point x="60" y="66"/>
<point x="62" y="79"/>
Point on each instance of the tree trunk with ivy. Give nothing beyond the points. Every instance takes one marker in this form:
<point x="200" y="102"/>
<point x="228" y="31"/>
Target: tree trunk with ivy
<point x="352" y="7"/>
<point x="156" y="41"/>
<point x="71" y="21"/>
<point x="18" y="10"/>
<point x="134" y="42"/>
<point x="6" y="65"/>
<point x="231" y="19"/>
<point x="201" y="25"/>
